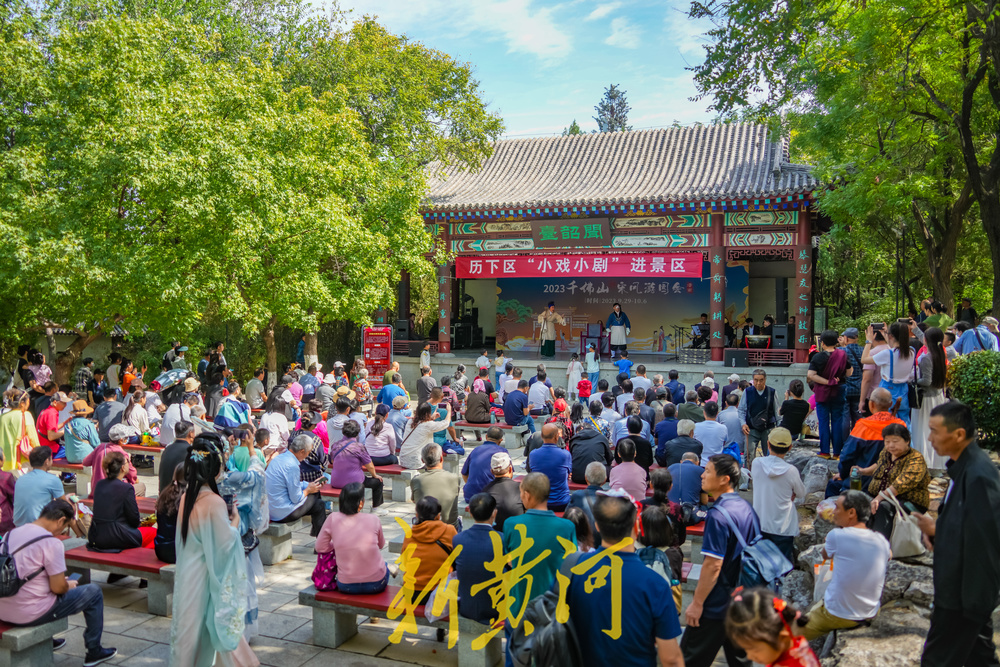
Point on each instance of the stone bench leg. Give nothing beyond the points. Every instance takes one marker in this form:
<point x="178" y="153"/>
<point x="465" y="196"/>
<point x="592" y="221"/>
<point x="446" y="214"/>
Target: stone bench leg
<point x="31" y="647"/>
<point x="450" y="463"/>
<point x="488" y="656"/>
<point x="521" y="435"/>
<point x="401" y="492"/>
<point x="39" y="655"/>
<point x="275" y="548"/>
<point x="159" y="595"/>
<point x="333" y="628"/>
<point x="156" y="466"/>
<point x="83" y="480"/>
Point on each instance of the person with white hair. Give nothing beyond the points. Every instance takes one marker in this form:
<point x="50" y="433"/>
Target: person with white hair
<point x="288" y="497"/>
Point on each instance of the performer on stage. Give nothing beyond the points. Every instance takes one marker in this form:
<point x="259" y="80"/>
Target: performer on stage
<point x="549" y="319"/>
<point x="619" y="327"/>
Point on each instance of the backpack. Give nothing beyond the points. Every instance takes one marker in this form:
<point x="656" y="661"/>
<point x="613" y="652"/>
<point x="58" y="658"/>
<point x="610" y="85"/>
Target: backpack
<point x="10" y="581"/>
<point x="551" y="643"/>
<point x="761" y="563"/>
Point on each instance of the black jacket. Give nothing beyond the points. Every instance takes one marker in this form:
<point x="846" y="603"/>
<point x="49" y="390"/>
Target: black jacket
<point x="967" y="538"/>
<point x="507" y="493"/>
<point x="588" y="445"/>
<point x="116" y="516"/>
<point x="643" y="451"/>
<point x="671" y="451"/>
<point x="164" y="542"/>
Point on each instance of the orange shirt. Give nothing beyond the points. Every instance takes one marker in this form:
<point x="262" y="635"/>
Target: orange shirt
<point x="127" y="383"/>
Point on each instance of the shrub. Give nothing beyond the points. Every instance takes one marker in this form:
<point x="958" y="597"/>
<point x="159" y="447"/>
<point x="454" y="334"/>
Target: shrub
<point x="974" y="379"/>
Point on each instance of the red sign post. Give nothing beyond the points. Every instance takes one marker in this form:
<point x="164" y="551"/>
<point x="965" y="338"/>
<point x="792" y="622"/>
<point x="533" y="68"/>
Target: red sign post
<point x="376" y="346"/>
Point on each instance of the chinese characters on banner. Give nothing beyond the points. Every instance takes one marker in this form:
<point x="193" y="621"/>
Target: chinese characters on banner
<point x="717" y="307"/>
<point x="376" y="345"/>
<point x="652" y="265"/>
<point x="802" y="308"/>
<point x="583" y="233"/>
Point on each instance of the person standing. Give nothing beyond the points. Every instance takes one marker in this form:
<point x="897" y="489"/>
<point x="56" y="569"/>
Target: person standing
<point x="759" y="411"/>
<point x="424" y="385"/>
<point x="895" y="364"/>
<point x="619" y="328"/>
<point x="828" y="370"/>
<point x="932" y="367"/>
<point x="777" y="489"/>
<point x="593" y="365"/>
<point x="425" y="356"/>
<point x="81" y="381"/>
<point x="966" y="567"/>
<point x="547" y="334"/>
<point x="720" y="572"/>
<point x="574" y="373"/>
<point x="852" y="386"/>
<point x="968" y="313"/>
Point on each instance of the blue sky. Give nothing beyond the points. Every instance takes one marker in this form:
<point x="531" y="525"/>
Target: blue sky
<point x="543" y="63"/>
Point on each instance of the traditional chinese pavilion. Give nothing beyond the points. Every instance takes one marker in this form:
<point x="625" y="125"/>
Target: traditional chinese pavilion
<point x="669" y="223"/>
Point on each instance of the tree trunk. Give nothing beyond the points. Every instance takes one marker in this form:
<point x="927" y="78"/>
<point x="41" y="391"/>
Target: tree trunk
<point x="65" y="362"/>
<point x="311" y="351"/>
<point x="50" y="340"/>
<point x="991" y="224"/>
<point x="272" y="353"/>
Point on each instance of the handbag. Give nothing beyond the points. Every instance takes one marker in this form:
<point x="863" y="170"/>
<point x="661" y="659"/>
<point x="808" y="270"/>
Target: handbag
<point x="24" y="444"/>
<point x="822" y="576"/>
<point x="761" y="563"/>
<point x="906" y="540"/>
<point x="250" y="541"/>
<point x="324" y="576"/>
<point x="914" y="396"/>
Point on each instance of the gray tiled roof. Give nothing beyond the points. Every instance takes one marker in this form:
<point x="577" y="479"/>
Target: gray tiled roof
<point x="720" y="162"/>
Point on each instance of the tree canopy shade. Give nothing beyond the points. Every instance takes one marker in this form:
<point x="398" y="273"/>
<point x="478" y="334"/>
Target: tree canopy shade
<point x="895" y="103"/>
<point x="612" y="111"/>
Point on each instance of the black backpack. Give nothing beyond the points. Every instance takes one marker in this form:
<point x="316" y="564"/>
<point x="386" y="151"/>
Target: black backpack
<point x="551" y="644"/>
<point x="10" y="581"/>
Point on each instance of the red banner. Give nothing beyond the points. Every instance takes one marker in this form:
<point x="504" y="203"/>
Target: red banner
<point x="376" y="345"/>
<point x="644" y="265"/>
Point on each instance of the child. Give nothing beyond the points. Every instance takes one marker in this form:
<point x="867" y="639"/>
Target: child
<point x="425" y="356"/>
<point x="583" y="390"/>
<point x="95" y="389"/>
<point x="758" y="622"/>
<point x="624" y="364"/>
<point x="482" y="361"/>
<point x="794" y="410"/>
<point x="659" y="552"/>
<point x="499" y="364"/>
<point x="574" y="371"/>
<point x="263" y="439"/>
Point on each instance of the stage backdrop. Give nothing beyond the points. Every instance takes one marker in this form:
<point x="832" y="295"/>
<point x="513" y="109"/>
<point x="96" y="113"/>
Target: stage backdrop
<point x="654" y="306"/>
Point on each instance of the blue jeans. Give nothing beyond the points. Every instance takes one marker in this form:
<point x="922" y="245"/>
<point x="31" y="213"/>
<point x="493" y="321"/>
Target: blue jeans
<point x="498" y="374"/>
<point x="594" y="377"/>
<point x="831" y="425"/>
<point x="526" y="421"/>
<point x="87" y="598"/>
<point x="365" y="588"/>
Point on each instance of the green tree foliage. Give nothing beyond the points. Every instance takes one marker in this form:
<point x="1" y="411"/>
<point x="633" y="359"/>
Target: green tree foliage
<point x="612" y="111"/>
<point x="916" y="152"/>
<point x="973" y="379"/>
<point x="573" y="129"/>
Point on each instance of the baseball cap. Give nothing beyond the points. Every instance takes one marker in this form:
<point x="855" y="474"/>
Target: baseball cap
<point x="400" y="402"/>
<point x="60" y="397"/>
<point x="182" y="348"/>
<point x="119" y="432"/>
<point x="560" y="405"/>
<point x="81" y="408"/>
<point x="500" y="462"/>
<point x="780" y="437"/>
<point x="338" y="364"/>
<point x="851" y="332"/>
<point x="734" y="377"/>
<point x="990" y="321"/>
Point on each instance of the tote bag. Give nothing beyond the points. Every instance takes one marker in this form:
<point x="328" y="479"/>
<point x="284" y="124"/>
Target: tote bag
<point x="906" y="536"/>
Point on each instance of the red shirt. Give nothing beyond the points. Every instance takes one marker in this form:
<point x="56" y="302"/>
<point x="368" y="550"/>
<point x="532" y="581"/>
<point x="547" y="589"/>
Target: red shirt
<point x="799" y="655"/>
<point x="48" y="421"/>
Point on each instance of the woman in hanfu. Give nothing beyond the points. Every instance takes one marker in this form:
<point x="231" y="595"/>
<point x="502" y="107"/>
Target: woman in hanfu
<point x="244" y="479"/>
<point x="210" y="605"/>
<point x="619" y="327"/>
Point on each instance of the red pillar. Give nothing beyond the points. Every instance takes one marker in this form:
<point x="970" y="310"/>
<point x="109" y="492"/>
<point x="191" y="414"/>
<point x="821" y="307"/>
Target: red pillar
<point x="802" y="307"/>
<point x="444" y="308"/>
<point x="717" y="307"/>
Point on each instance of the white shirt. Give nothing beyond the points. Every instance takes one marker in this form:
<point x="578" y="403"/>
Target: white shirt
<point x="712" y="435"/>
<point x="593" y="364"/>
<point x="152" y="401"/>
<point x="621" y="400"/>
<point x="483" y="362"/>
<point x="860" y="558"/>
<point x="642" y="382"/>
<point x="502" y="389"/>
<point x="276" y="424"/>
<point x="539" y="394"/>
<point x="774" y="484"/>
<point x="175" y="413"/>
<point x="254" y="389"/>
<point x="413" y="442"/>
<point x="112" y="375"/>
<point x="500" y="363"/>
<point x="902" y="369"/>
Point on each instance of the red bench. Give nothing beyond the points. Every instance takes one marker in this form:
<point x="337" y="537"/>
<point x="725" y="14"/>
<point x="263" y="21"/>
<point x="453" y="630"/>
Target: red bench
<point x="141" y="563"/>
<point x="147" y="506"/>
<point x="335" y="620"/>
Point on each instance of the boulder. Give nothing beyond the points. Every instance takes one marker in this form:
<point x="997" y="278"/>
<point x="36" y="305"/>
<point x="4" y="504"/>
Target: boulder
<point x="900" y="576"/>
<point x="816" y="477"/>
<point x="797" y="588"/>
<point x="895" y="639"/>
<point x="920" y="593"/>
<point x="808" y="559"/>
<point x="807" y="532"/>
<point x="822" y="528"/>
<point x="801" y="459"/>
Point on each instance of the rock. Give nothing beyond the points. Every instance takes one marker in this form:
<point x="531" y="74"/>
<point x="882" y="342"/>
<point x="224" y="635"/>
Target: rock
<point x="920" y="593"/>
<point x="813" y="499"/>
<point x="926" y="558"/>
<point x="807" y="534"/>
<point x="801" y="459"/>
<point x="808" y="559"/>
<point x="816" y="477"/>
<point x="895" y="639"/>
<point x="797" y="588"/>
<point x="900" y="576"/>
<point x="822" y="528"/>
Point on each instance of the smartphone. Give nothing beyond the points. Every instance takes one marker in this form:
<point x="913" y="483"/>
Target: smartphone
<point x="230" y="502"/>
<point x="877" y="326"/>
<point x="904" y="320"/>
<point x="75" y="576"/>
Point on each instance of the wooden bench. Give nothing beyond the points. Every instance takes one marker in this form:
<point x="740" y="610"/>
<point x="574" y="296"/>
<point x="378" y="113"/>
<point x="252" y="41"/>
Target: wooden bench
<point x="29" y="646"/>
<point x="147" y="506"/>
<point x="138" y="562"/>
<point x="276" y="541"/>
<point x="335" y="620"/>
<point x="144" y="450"/>
<point x="83" y="474"/>
<point x="513" y="436"/>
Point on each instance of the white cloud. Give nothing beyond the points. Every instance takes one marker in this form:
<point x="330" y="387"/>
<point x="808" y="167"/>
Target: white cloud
<point x="684" y="33"/>
<point x="602" y="10"/>
<point x="522" y="26"/>
<point x="623" y="35"/>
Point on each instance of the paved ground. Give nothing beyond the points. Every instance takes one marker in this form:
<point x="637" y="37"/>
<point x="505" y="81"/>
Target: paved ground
<point x="285" y="637"/>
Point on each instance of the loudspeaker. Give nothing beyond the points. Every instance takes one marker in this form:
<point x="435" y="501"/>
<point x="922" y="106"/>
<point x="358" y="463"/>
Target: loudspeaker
<point x="780" y="335"/>
<point x="416" y="347"/>
<point x="402" y="329"/>
<point x="733" y="358"/>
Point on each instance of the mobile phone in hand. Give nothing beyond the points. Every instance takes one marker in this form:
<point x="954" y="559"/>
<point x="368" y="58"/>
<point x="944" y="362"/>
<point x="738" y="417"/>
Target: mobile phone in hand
<point x="75" y="576"/>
